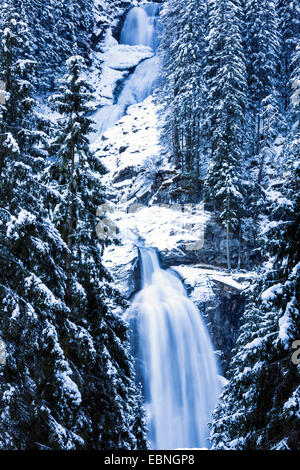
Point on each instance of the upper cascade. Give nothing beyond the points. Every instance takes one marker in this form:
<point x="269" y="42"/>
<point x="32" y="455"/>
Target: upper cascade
<point x="141" y="26"/>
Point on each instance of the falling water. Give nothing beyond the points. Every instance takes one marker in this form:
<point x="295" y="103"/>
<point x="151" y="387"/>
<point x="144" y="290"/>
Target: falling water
<point x="141" y="82"/>
<point x="141" y="27"/>
<point x="175" y="360"/>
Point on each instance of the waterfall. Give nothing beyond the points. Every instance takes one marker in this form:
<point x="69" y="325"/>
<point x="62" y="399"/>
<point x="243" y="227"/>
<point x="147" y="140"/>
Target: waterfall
<point x="140" y="84"/>
<point x="175" y="360"/>
<point x="141" y="27"/>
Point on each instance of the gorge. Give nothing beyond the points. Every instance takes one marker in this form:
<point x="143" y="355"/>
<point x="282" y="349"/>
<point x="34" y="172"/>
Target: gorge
<point x="174" y="356"/>
<point x="149" y="227"/>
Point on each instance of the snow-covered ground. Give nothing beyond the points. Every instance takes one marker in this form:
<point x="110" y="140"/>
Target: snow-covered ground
<point x="132" y="141"/>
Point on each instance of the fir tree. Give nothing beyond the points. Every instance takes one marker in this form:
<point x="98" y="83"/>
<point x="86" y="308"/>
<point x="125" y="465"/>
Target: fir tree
<point x="262" y="49"/>
<point x="295" y="88"/>
<point x="140" y="425"/>
<point x="54" y="26"/>
<point x="68" y="382"/>
<point x="289" y="27"/>
<point x="260" y="406"/>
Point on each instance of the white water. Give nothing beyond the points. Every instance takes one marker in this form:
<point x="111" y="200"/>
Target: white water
<point x="140" y="84"/>
<point x="140" y="28"/>
<point x="174" y="359"/>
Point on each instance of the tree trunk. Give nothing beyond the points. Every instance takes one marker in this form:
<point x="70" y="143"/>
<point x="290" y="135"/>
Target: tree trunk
<point x="176" y="146"/>
<point x="70" y="225"/>
<point x="240" y="242"/>
<point x="228" y="248"/>
<point x="258" y="133"/>
<point x="228" y="233"/>
<point x="261" y="167"/>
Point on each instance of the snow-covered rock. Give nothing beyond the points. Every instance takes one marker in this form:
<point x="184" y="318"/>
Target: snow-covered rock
<point x="124" y="57"/>
<point x="123" y="270"/>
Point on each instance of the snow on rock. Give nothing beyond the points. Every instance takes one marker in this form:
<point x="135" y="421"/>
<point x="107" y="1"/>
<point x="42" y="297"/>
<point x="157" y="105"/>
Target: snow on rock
<point x="171" y="234"/>
<point x="120" y="260"/>
<point x="112" y="67"/>
<point x="104" y="81"/>
<point x="200" y="280"/>
<point x="109" y="40"/>
<point x="143" y="224"/>
<point x="131" y="152"/>
<point x="229" y="282"/>
<point x="132" y="141"/>
<point x="124" y="57"/>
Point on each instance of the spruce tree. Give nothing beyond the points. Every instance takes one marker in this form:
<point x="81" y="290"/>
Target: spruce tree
<point x="289" y="27"/>
<point x="68" y="382"/>
<point x="262" y="54"/>
<point x="39" y="398"/>
<point x="295" y="88"/>
<point x="182" y="44"/>
<point x="104" y="365"/>
<point x="227" y="101"/>
<point x="53" y="26"/>
<point x="260" y="406"/>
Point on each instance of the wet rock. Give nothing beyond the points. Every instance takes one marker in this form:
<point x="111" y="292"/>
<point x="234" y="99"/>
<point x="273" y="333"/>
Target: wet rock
<point x="221" y="300"/>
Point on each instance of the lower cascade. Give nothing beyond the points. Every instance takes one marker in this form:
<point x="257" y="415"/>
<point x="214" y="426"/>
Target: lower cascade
<point x="175" y="360"/>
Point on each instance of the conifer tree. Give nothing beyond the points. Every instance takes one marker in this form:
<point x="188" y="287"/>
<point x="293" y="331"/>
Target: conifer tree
<point x="140" y="425"/>
<point x="54" y="25"/>
<point x="104" y="365"/>
<point x="227" y="101"/>
<point x="39" y="399"/>
<point x="262" y="49"/>
<point x="181" y="51"/>
<point x="68" y="382"/>
<point x="295" y="88"/>
<point x="289" y="27"/>
<point x="260" y="406"/>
